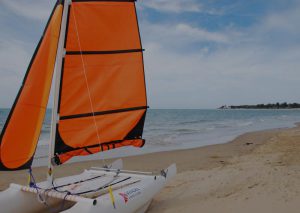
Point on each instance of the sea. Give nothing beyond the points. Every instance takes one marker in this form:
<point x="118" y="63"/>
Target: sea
<point x="175" y="129"/>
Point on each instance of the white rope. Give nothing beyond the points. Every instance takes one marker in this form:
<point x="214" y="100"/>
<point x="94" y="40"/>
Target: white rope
<point x="86" y="81"/>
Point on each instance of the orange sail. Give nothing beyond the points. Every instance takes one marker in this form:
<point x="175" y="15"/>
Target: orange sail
<point x="21" y="132"/>
<point x="102" y="100"/>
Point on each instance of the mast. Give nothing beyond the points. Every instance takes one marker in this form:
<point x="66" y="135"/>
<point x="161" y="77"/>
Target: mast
<point x="57" y="76"/>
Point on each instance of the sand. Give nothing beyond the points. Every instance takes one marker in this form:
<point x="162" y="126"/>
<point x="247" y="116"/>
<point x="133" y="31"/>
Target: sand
<point x="256" y="172"/>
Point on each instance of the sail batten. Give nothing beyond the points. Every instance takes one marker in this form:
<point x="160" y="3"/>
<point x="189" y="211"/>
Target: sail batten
<point x="103" y="52"/>
<point x="103" y="112"/>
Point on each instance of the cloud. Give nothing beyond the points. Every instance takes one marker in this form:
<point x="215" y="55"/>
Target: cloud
<point x="31" y="9"/>
<point x="242" y="74"/>
<point x="199" y="34"/>
<point x="286" y="23"/>
<point x="180" y="6"/>
<point x="14" y="58"/>
<point x="257" y="64"/>
<point x="176" y="6"/>
<point x="181" y="35"/>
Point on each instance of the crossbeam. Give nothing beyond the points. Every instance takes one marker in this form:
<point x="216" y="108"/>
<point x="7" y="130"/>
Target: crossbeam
<point x="55" y="194"/>
<point x="122" y="171"/>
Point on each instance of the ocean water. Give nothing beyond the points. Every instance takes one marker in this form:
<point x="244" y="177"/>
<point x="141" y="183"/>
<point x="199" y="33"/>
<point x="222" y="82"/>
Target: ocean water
<point x="172" y="129"/>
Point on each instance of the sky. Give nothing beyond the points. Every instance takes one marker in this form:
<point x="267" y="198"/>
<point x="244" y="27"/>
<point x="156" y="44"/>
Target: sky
<point x="199" y="53"/>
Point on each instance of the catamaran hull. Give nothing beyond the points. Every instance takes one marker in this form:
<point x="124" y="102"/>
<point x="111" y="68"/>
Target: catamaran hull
<point x="131" y="196"/>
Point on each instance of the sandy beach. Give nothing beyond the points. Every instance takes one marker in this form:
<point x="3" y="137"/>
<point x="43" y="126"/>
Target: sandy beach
<point x="256" y="172"/>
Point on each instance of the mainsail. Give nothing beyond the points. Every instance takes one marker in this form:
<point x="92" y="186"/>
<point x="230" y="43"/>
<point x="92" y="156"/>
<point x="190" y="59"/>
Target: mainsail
<point x="21" y="131"/>
<point x="102" y="100"/>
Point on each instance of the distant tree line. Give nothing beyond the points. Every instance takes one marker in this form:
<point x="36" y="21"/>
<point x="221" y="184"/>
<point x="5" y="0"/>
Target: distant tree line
<point x="265" y="106"/>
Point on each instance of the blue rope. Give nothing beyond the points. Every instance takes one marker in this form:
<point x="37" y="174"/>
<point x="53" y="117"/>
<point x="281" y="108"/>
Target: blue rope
<point x="32" y="182"/>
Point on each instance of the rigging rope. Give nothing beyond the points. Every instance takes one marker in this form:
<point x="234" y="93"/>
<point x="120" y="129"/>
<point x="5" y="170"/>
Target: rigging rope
<point x="86" y="82"/>
<point x="42" y="194"/>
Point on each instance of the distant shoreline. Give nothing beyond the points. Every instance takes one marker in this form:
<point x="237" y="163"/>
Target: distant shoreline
<point x="264" y="106"/>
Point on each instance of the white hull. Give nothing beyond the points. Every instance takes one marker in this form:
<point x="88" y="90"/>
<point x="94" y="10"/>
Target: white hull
<point x="132" y="193"/>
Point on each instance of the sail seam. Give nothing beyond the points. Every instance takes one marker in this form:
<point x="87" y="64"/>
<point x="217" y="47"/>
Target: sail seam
<point x="33" y="105"/>
<point x="102" y="113"/>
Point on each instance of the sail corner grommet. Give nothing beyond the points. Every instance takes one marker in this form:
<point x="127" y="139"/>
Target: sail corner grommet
<point x="95" y="202"/>
<point x="55" y="161"/>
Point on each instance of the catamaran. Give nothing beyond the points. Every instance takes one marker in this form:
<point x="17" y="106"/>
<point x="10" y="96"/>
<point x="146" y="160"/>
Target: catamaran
<point x="91" y="52"/>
